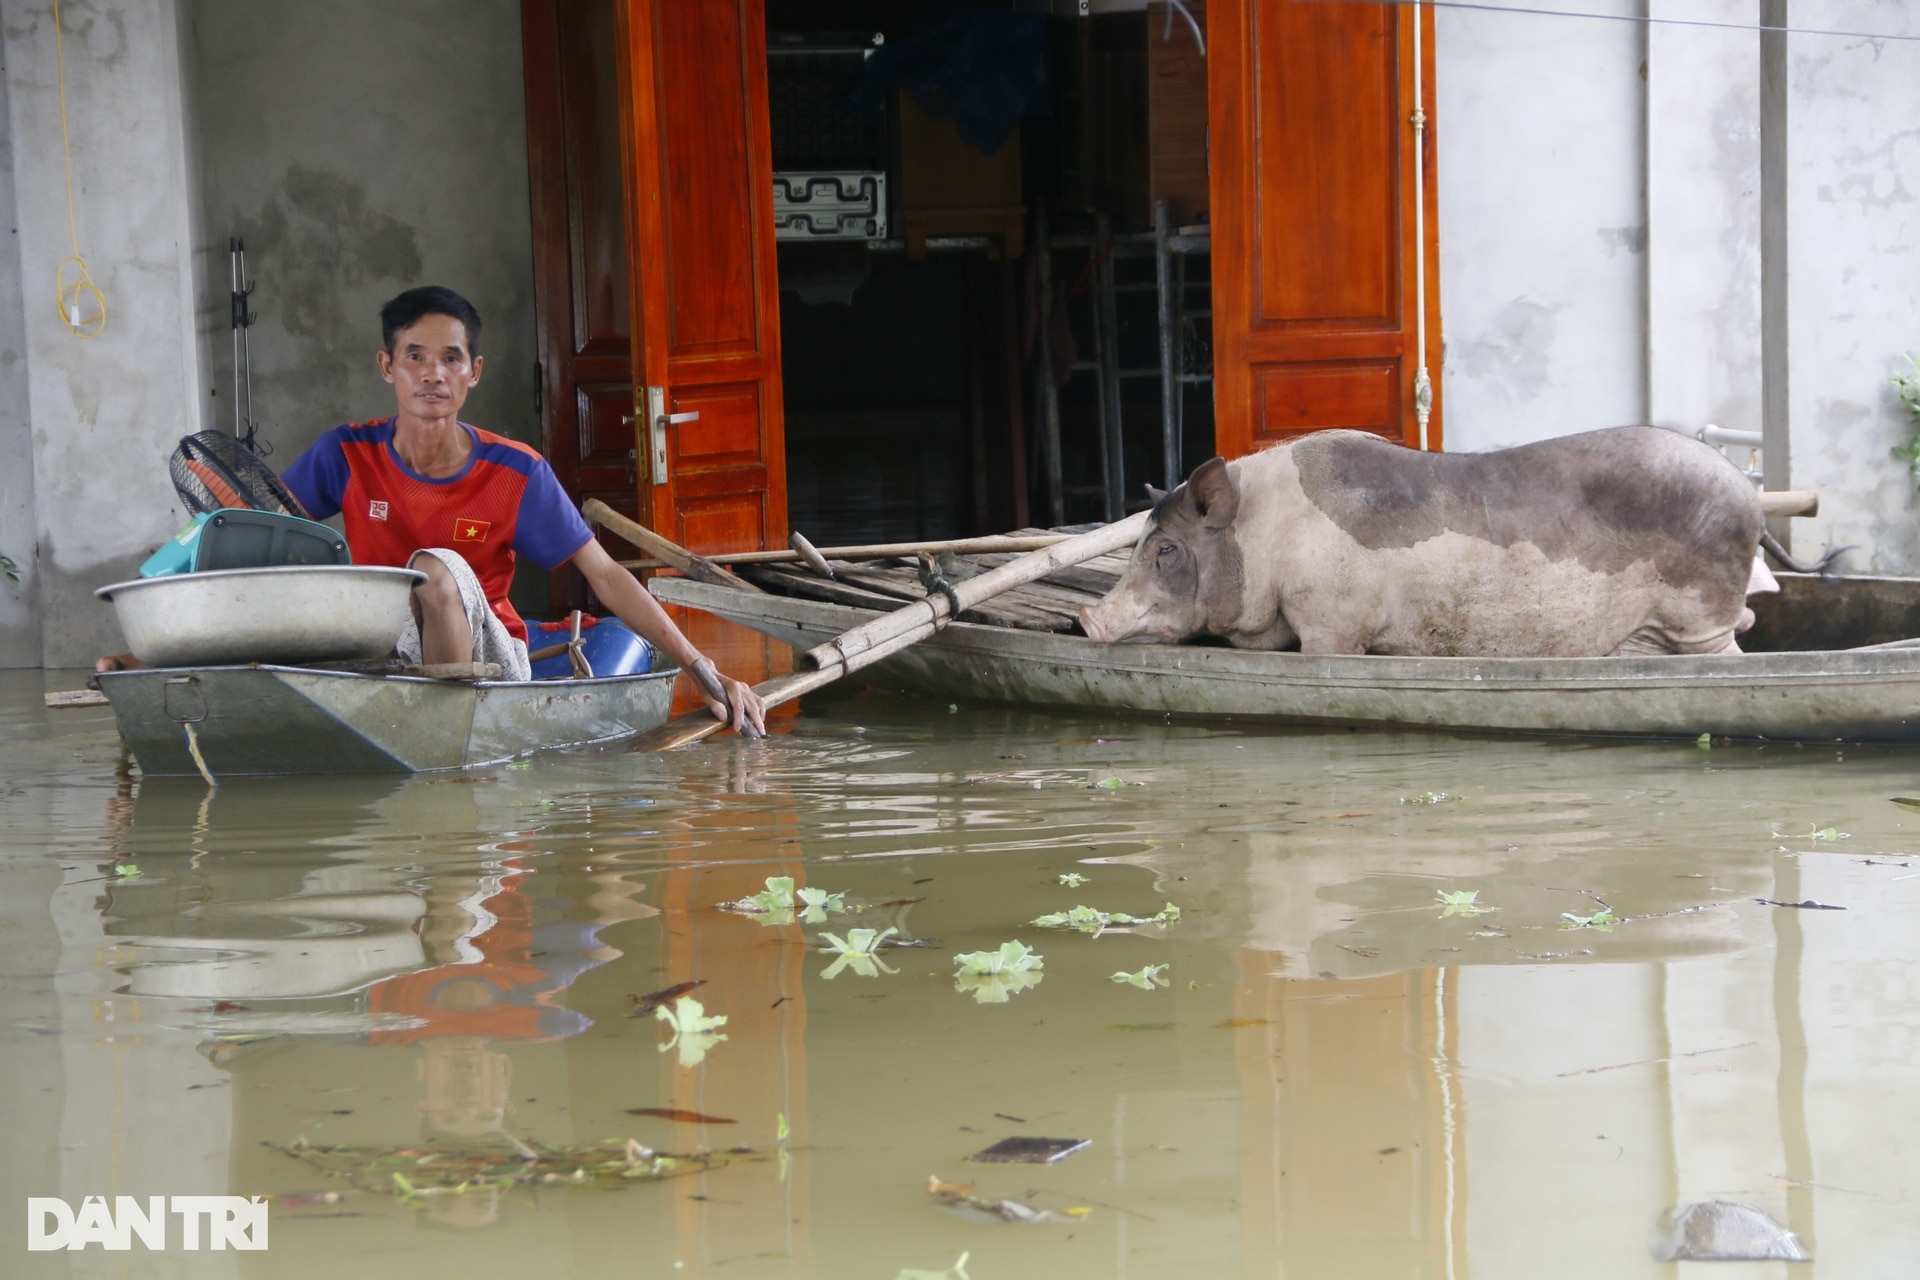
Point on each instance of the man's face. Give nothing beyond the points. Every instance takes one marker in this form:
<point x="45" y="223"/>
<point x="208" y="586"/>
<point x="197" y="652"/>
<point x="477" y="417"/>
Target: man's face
<point x="431" y="368"/>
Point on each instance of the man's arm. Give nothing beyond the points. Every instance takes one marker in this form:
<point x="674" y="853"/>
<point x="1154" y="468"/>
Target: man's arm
<point x="634" y="605"/>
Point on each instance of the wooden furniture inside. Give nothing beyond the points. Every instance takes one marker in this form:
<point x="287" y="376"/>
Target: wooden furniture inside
<point x="948" y="187"/>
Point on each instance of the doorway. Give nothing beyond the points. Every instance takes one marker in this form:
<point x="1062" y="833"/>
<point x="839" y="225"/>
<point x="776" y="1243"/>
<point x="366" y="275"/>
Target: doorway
<point x="958" y="334"/>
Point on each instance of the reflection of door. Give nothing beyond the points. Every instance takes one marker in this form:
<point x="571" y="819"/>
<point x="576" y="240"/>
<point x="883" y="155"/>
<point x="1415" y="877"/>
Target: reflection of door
<point x="704" y="292"/>
<point x="580" y="265"/>
<point x="1315" y="171"/>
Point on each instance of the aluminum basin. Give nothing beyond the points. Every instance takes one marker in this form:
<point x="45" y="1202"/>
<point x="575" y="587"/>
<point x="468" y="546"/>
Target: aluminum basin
<point x="293" y="613"/>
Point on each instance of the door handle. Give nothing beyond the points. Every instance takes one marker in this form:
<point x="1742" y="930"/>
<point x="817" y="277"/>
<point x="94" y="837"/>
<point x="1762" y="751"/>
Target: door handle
<point x="658" y="420"/>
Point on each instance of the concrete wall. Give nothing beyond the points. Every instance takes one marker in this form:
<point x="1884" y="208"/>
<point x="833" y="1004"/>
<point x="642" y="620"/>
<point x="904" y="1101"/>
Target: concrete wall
<point x="1601" y="238"/>
<point x="19" y="525"/>
<point x="104" y="412"/>
<point x="1540" y="136"/>
<point x="361" y="148"/>
<point x="1853" y="153"/>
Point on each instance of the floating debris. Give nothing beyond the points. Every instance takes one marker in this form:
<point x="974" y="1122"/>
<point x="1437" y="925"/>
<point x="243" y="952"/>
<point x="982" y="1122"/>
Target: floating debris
<point x="419" y="1173"/>
<point x="1722" y="1231"/>
<point x="1023" y="1150"/>
<point x="1805" y="904"/>
<point x="1430" y="797"/>
<point x="675" y="1113"/>
<point x="644" y="1005"/>
<point x="1072" y="879"/>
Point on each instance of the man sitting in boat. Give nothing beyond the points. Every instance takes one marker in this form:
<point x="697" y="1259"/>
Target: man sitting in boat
<point x="425" y="490"/>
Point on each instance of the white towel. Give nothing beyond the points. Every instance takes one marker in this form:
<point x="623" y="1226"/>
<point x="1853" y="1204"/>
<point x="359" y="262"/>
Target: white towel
<point x="491" y="640"/>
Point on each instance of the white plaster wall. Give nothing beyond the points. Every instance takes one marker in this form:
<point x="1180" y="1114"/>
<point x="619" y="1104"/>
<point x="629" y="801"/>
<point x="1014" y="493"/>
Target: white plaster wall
<point x="19" y="529"/>
<point x="1703" y="221"/>
<point x="1542" y="223"/>
<point x="1854" y="277"/>
<point x="106" y="412"/>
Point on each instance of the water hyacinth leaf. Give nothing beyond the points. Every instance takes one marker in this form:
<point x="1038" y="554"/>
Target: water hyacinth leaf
<point x="1072" y="879"/>
<point x="857" y="951"/>
<point x="996" y="988"/>
<point x="1146" y="979"/>
<point x="694" y="1030"/>
<point x="958" y="1271"/>
<point x="127" y="870"/>
<point x="1603" y="920"/>
<point x="1704" y="741"/>
<point x="1093" y="920"/>
<point x="1110" y="783"/>
<point x="1010" y="957"/>
<point x="1460" y="902"/>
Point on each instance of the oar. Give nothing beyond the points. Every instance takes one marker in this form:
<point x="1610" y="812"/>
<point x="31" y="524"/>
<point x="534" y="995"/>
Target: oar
<point x="887" y="635"/>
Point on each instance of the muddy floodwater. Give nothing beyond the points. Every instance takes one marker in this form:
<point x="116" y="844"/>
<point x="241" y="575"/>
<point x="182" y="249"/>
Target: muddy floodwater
<point x="1430" y="1006"/>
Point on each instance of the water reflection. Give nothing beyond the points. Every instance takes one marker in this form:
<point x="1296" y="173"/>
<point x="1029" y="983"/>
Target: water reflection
<point x="1346" y="1076"/>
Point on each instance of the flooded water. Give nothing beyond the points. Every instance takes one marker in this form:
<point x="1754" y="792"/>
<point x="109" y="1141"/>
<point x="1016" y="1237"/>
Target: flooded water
<point x="1432" y="1006"/>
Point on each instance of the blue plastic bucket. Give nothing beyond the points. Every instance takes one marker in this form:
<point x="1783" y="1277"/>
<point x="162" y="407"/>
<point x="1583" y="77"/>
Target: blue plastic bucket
<point x="609" y="644"/>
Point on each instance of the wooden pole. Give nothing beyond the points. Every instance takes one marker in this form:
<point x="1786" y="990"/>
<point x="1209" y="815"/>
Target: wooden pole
<point x="872" y="641"/>
<point x="671" y="554"/>
<point x="877" y="551"/>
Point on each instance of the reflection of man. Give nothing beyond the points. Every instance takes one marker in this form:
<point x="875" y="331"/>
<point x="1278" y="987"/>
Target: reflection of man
<point x="425" y="490"/>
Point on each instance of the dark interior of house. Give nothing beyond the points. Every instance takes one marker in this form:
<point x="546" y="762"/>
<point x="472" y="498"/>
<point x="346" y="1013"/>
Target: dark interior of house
<point x="977" y="316"/>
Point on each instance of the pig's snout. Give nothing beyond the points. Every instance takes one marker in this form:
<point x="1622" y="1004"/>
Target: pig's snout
<point x="1098" y="622"/>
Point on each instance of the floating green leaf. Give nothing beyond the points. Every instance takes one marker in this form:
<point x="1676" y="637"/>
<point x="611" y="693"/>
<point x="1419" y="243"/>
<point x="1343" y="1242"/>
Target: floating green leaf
<point x="958" y="1271"/>
<point x="1093" y="920"/>
<point x="1461" y="902"/>
<point x="858" y="951"/>
<point x="1073" y="879"/>
<point x="694" y="1030"/>
<point x="126" y="870"/>
<point x="1146" y="979"/>
<point x="1603" y="920"/>
<point x="1704" y="741"/>
<point x="1111" y="783"/>
<point x="1828" y="833"/>
<point x="1011" y="957"/>
<point x="775" y="902"/>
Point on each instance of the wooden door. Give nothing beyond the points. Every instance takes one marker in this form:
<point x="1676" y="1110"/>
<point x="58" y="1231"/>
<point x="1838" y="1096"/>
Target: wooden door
<point x="1319" y="201"/>
<point x="703" y="288"/>
<point x="581" y="304"/>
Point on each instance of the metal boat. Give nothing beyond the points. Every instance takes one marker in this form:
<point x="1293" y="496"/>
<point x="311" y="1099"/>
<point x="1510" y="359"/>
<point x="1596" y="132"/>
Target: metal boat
<point x="1808" y="687"/>
<point x="267" y="719"/>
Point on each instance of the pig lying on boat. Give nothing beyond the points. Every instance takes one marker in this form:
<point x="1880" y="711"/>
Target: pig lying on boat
<point x="1630" y="540"/>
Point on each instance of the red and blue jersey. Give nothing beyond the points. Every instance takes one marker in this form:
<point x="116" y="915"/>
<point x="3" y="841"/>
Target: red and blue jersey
<point x="506" y="500"/>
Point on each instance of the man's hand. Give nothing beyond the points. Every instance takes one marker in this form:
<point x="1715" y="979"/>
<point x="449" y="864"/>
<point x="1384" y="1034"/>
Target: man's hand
<point x="634" y="605"/>
<point x="743" y="706"/>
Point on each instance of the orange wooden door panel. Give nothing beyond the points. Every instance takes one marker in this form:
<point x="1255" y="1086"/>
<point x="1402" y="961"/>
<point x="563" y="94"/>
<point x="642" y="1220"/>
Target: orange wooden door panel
<point x="704" y="285"/>
<point x="580" y="260"/>
<point x="1317" y="184"/>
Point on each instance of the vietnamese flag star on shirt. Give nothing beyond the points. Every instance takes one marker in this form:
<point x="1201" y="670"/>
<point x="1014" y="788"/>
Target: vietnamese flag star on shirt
<point x="471" y="530"/>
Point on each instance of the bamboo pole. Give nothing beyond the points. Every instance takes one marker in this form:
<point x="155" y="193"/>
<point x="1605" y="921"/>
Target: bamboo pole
<point x="878" y="550"/>
<point x="887" y="635"/>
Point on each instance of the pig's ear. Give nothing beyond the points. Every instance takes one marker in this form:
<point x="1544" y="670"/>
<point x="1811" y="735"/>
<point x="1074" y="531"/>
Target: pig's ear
<point x="1155" y="496"/>
<point x="1213" y="493"/>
